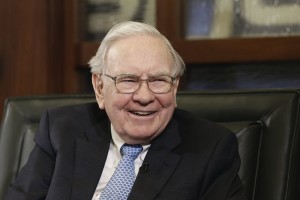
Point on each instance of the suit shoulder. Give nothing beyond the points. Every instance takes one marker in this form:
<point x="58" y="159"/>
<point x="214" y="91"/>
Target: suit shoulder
<point x="62" y="125"/>
<point x="200" y="135"/>
<point x="76" y="112"/>
<point x="188" y="119"/>
<point x="196" y="128"/>
<point x="76" y="108"/>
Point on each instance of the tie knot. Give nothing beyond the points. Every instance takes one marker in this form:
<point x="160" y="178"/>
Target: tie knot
<point x="131" y="150"/>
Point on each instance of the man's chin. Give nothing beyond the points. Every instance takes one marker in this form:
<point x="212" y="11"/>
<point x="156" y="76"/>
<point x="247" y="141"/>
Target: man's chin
<point x="141" y="137"/>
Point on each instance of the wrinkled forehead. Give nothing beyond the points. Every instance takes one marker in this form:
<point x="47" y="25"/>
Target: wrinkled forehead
<point x="140" y="42"/>
<point x="138" y="52"/>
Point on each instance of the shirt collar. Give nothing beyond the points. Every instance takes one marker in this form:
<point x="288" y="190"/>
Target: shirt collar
<point x="118" y="142"/>
<point x="116" y="139"/>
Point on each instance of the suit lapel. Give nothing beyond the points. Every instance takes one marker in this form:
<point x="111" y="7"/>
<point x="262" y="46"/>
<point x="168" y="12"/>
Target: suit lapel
<point x="162" y="163"/>
<point x="91" y="152"/>
<point x="90" y="157"/>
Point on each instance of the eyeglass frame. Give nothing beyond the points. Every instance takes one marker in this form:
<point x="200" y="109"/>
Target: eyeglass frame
<point x="140" y="80"/>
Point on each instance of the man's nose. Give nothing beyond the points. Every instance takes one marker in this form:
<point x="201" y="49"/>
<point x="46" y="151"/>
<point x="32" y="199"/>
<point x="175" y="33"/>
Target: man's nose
<point x="143" y="94"/>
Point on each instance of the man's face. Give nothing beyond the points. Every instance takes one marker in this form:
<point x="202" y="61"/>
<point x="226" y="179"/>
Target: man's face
<point x="140" y="116"/>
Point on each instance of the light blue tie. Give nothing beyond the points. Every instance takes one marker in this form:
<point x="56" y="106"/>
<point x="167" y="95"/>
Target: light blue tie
<point x="121" y="182"/>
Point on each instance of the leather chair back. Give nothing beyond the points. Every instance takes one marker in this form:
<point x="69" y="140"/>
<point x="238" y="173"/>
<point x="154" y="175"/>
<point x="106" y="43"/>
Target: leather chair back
<point x="19" y="123"/>
<point x="265" y="122"/>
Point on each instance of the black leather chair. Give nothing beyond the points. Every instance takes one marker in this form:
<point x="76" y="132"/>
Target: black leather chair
<point x="265" y="121"/>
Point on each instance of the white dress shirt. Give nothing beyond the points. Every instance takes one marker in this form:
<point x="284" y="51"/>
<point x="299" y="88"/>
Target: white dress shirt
<point x="113" y="158"/>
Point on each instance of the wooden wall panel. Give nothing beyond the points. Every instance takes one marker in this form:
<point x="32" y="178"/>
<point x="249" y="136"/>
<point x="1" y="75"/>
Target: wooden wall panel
<point x="31" y="48"/>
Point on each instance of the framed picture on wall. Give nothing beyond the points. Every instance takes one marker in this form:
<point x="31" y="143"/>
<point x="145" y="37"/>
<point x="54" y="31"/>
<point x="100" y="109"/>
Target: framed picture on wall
<point x="205" y="31"/>
<point x="98" y="16"/>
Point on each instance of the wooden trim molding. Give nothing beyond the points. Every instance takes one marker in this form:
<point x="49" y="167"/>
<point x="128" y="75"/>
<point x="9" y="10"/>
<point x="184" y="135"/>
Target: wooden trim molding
<point x="234" y="50"/>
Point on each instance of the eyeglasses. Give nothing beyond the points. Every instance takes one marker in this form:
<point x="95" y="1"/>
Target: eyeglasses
<point x="128" y="84"/>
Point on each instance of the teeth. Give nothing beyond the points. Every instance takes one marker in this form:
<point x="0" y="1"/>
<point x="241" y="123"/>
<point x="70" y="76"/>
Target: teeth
<point x="141" y="113"/>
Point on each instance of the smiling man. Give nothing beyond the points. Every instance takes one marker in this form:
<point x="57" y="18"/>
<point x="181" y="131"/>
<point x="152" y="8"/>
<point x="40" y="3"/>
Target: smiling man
<point x="133" y="143"/>
<point x="137" y="87"/>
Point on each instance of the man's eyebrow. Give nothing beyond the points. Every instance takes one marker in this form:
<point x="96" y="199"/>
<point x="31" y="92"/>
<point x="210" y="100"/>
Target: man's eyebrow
<point x="127" y="74"/>
<point x="160" y="74"/>
<point x="149" y="75"/>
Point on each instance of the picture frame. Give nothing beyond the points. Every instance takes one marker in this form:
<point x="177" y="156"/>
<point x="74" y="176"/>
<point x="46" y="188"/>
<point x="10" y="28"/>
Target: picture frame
<point x="170" y="15"/>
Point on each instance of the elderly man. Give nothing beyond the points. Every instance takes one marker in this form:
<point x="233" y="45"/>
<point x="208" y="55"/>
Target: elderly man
<point x="133" y="143"/>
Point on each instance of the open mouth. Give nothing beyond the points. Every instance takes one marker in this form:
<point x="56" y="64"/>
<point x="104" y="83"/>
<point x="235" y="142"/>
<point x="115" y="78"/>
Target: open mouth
<point x="142" y="113"/>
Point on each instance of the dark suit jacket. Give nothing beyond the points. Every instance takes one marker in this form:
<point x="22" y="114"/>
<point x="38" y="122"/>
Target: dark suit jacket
<point x="191" y="159"/>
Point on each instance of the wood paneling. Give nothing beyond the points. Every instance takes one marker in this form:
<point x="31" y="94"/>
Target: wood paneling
<point x="40" y="50"/>
<point x="31" y="48"/>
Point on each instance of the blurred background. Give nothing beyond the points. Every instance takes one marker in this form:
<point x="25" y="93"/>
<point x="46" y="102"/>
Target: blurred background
<point x="227" y="44"/>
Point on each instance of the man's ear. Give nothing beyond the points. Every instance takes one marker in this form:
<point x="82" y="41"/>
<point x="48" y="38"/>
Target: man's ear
<point x="175" y="87"/>
<point x="98" y="89"/>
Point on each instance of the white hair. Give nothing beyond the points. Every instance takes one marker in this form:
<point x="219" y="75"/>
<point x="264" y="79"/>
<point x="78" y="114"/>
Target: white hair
<point x="128" y="29"/>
